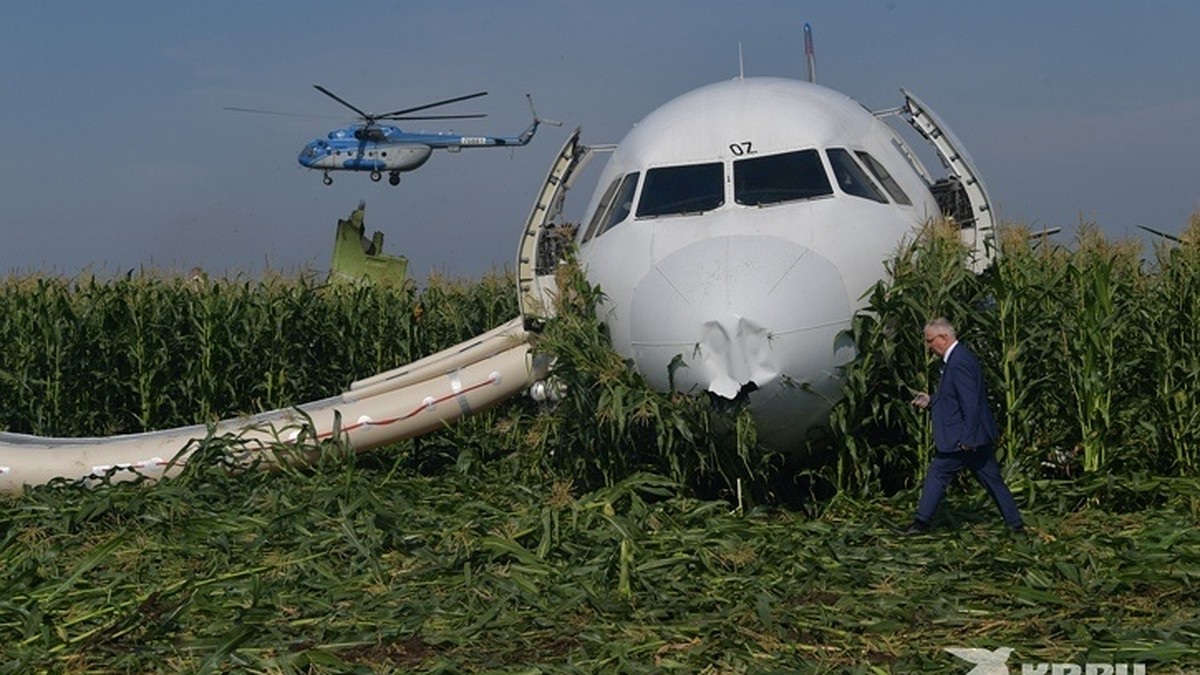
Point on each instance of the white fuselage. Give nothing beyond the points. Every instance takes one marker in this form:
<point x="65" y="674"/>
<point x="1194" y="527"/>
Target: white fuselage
<point x="748" y="292"/>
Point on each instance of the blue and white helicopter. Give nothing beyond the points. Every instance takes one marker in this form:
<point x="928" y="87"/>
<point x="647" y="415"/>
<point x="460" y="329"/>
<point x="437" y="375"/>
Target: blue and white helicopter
<point x="376" y="148"/>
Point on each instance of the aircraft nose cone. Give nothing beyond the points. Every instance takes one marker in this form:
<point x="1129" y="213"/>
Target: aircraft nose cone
<point x="749" y="313"/>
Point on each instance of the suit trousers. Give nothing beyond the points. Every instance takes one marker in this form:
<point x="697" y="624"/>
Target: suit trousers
<point x="982" y="462"/>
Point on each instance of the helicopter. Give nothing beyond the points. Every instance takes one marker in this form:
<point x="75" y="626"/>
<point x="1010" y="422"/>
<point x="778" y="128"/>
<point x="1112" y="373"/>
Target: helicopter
<point x="375" y="148"/>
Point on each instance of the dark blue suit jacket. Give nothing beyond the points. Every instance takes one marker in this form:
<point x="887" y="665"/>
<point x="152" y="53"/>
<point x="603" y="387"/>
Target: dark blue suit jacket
<point x="961" y="416"/>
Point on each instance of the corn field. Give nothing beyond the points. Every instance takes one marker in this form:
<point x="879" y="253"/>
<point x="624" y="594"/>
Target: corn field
<point x="621" y="529"/>
<point x="1093" y="358"/>
<point x="87" y="357"/>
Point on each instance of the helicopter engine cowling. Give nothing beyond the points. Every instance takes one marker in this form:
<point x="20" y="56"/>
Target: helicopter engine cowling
<point x="405" y="157"/>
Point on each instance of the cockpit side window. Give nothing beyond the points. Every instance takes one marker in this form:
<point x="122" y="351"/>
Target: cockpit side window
<point x="885" y="179"/>
<point x="675" y="190"/>
<point x="621" y="204"/>
<point x="780" y="178"/>
<point x="851" y="178"/>
<point x="601" y="210"/>
<point x="613" y="207"/>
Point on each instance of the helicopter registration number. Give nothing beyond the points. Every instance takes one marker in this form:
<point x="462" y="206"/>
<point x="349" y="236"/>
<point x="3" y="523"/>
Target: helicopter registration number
<point x="473" y="140"/>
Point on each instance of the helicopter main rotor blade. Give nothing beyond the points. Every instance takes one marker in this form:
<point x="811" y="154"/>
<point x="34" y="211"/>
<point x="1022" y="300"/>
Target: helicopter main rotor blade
<point x="430" y="117"/>
<point x="277" y="112"/>
<point x="1164" y="235"/>
<point x="432" y="105"/>
<point x="339" y="99"/>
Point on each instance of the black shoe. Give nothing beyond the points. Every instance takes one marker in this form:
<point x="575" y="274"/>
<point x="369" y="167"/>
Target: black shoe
<point x="914" y="528"/>
<point x="1018" y="531"/>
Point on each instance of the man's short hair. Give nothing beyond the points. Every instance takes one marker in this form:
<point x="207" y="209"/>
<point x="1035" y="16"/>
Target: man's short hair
<point x="941" y="325"/>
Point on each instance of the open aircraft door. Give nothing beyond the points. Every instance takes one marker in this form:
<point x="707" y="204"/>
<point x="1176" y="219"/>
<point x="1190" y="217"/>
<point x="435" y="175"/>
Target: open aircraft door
<point x="544" y="238"/>
<point x="962" y="195"/>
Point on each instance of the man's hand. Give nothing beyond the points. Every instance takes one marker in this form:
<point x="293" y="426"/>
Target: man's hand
<point x="921" y="400"/>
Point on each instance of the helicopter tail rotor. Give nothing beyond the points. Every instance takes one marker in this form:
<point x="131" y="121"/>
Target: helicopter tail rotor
<point x="536" y="119"/>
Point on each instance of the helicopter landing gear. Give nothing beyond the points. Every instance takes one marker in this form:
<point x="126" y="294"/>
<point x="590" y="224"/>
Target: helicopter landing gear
<point x="394" y="178"/>
<point x="375" y="176"/>
<point x="327" y="179"/>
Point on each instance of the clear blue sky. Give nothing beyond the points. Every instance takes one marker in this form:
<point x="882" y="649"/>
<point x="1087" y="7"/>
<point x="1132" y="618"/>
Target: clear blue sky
<point x="118" y="153"/>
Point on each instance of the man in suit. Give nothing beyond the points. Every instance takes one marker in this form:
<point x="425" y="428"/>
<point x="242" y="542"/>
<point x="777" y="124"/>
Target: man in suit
<point x="964" y="430"/>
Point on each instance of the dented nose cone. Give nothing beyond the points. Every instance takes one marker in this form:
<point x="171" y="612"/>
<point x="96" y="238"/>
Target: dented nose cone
<point x="752" y="315"/>
<point x="736" y="354"/>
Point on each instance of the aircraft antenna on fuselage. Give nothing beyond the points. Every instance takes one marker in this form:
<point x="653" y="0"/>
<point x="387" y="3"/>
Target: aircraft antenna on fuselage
<point x="809" y="56"/>
<point x="741" y="64"/>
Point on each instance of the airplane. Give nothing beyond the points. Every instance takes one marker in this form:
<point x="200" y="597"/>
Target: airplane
<point x="734" y="232"/>
<point x="376" y="148"/>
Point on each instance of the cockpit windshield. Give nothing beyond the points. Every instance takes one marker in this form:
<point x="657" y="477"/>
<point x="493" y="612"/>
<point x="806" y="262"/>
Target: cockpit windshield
<point x="785" y="177"/>
<point x="757" y="181"/>
<point x="315" y="149"/>
<point x="676" y="190"/>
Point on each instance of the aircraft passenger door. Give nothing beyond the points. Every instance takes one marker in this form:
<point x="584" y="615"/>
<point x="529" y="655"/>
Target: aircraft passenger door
<point x="535" y="274"/>
<point x="962" y="195"/>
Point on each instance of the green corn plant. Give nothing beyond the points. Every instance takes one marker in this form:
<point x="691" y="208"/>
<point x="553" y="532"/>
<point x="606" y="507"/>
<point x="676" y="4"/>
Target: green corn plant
<point x="1169" y="323"/>
<point x="147" y="314"/>
<point x="1092" y="339"/>
<point x="205" y="309"/>
<point x="1026" y="284"/>
<point x="97" y="381"/>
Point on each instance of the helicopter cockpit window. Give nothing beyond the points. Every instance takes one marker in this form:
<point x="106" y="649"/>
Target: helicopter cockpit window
<point x="885" y="179"/>
<point x="851" y="178"/>
<point x="312" y="150"/>
<point x="617" y="208"/>
<point x="676" y="190"/>
<point x="780" y="178"/>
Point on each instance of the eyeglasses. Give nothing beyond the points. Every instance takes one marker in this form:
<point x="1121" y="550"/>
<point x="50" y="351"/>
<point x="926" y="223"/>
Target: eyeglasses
<point x="930" y="340"/>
